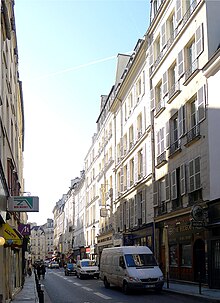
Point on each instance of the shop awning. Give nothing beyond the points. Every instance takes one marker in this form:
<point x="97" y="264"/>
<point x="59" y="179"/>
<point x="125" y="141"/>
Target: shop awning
<point x="11" y="235"/>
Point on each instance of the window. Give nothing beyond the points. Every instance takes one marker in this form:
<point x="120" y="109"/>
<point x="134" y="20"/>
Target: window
<point x="191" y="60"/>
<point x="170" y="28"/>
<point x="173" y="255"/>
<point x="186" y="259"/>
<point x="138" y="89"/>
<point x="125" y="139"/>
<point x="140" y="164"/>
<point x="125" y="175"/>
<point x="177" y="130"/>
<point x="160" y="141"/>
<point x="130" y="103"/>
<point x="194" y="174"/>
<point x="131" y="136"/>
<point x="159" y="102"/>
<point x="139" y="126"/>
<point x="173" y="84"/>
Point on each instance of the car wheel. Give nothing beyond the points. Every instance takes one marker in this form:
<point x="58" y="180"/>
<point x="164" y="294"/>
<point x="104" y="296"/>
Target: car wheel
<point x="125" y="288"/>
<point x="106" y="283"/>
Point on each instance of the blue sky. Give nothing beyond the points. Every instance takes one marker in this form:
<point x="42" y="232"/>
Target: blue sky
<point x="67" y="60"/>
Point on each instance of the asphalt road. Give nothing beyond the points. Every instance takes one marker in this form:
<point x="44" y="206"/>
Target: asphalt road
<point x="70" y="289"/>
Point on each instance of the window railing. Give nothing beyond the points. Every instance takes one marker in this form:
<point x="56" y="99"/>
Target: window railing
<point x="160" y="106"/>
<point x="174" y="147"/>
<point x="162" y="208"/>
<point x="193" y="67"/>
<point x="161" y="158"/>
<point x="175" y="88"/>
<point x="189" y="12"/>
<point x="193" y="133"/>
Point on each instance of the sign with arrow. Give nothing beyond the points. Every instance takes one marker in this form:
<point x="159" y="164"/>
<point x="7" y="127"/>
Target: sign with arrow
<point x="23" y="203"/>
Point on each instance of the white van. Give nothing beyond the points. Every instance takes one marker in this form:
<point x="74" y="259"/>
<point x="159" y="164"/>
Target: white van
<point x="130" y="267"/>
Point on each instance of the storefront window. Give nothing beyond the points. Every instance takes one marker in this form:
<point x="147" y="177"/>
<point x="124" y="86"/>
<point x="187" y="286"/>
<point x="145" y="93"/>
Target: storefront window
<point x="186" y="255"/>
<point x="173" y="255"/>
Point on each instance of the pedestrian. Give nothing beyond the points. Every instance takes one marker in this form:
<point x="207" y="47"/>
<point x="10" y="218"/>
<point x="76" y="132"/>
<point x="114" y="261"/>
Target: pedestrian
<point x="43" y="270"/>
<point x="38" y="271"/>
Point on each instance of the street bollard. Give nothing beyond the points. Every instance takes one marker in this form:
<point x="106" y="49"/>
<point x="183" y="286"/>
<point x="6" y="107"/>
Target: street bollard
<point x="200" y="284"/>
<point x="168" y="282"/>
<point x="41" y="296"/>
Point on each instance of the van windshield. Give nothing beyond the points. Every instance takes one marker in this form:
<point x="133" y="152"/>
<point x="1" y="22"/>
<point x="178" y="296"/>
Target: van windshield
<point x="140" y="260"/>
<point x="88" y="263"/>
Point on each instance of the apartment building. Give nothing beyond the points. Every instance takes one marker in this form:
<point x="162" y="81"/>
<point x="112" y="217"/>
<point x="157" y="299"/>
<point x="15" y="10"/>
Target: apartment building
<point x="152" y="171"/>
<point x="49" y="243"/>
<point x="182" y="37"/>
<point x="11" y="156"/>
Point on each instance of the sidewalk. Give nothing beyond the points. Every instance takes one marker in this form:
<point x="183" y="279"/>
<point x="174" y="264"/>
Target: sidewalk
<point x="188" y="289"/>
<point x="29" y="292"/>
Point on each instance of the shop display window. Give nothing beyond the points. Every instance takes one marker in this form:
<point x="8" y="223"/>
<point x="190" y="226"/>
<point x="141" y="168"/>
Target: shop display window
<point x="186" y="259"/>
<point x="173" y="255"/>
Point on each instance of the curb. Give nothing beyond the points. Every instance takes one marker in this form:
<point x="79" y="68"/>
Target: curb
<point x="193" y="295"/>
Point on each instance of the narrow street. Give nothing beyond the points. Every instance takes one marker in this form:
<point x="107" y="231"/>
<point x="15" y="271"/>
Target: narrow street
<point x="68" y="289"/>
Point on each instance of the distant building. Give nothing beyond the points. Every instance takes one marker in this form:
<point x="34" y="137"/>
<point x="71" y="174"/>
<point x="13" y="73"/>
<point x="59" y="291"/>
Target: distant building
<point x="41" y="241"/>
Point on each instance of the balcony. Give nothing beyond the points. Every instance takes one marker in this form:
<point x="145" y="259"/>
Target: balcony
<point x="162" y="208"/>
<point x="161" y="159"/>
<point x="175" y="148"/>
<point x="193" y="134"/>
<point x="160" y="106"/>
<point x="191" y="72"/>
<point x="173" y="92"/>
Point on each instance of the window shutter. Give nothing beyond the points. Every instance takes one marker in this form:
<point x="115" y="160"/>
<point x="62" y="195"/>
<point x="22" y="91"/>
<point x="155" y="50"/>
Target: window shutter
<point x="180" y="63"/>
<point x="144" y="160"/>
<point x="165" y="83"/>
<point x="143" y="207"/>
<point x="197" y="173"/>
<point x="178" y="10"/>
<point x="152" y="101"/>
<point x="191" y="176"/>
<point x="155" y="193"/>
<point x="181" y="121"/>
<point x="128" y="174"/>
<point x="158" y="142"/>
<point x="167" y="126"/>
<point x="167" y="187"/>
<point x="199" y="40"/>
<point x="182" y="179"/>
<point x="136" y="168"/>
<point x="131" y="212"/>
<point x="143" y="82"/>
<point x="162" y="148"/>
<point x="201" y="103"/>
<point x="163" y="35"/>
<point x="151" y="55"/>
<point x="139" y="201"/>
<point x="121" y="217"/>
<point x="173" y="185"/>
<point x="127" y="214"/>
<point x="122" y="179"/>
<point x="135" y="211"/>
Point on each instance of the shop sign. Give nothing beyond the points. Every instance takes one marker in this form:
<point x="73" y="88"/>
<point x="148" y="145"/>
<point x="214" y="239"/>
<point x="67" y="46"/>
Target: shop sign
<point x="24" y="229"/>
<point x="23" y="204"/>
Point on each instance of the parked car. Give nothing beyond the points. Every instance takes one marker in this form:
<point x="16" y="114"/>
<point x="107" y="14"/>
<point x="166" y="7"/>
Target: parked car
<point x="53" y="265"/>
<point x="70" y="269"/>
<point x="87" y="268"/>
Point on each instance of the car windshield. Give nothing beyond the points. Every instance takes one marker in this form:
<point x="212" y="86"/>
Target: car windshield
<point x="88" y="263"/>
<point x="140" y="260"/>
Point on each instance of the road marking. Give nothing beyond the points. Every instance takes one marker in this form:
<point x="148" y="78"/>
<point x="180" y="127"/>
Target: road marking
<point x="102" y="296"/>
<point x="77" y="284"/>
<point x="87" y="288"/>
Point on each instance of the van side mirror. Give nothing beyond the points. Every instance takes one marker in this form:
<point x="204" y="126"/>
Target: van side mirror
<point x="122" y="263"/>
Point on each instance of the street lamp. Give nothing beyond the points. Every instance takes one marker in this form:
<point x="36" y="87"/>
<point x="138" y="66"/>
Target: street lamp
<point x="2" y="241"/>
